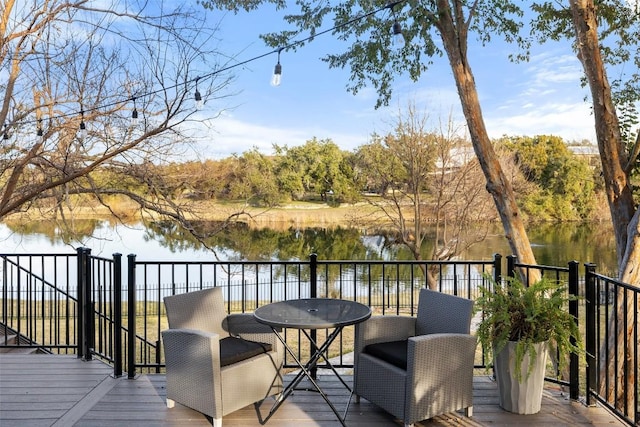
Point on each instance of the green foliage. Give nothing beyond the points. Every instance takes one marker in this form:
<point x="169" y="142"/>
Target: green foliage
<point x="368" y="56"/>
<point x="256" y="180"/>
<point x="317" y="167"/>
<point x="565" y="183"/>
<point x="527" y="315"/>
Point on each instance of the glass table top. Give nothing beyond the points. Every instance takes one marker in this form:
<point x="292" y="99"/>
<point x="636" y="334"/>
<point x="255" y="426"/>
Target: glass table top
<point x="312" y="313"/>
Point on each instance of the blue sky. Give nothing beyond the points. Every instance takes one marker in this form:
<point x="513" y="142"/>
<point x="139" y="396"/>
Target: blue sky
<point x="542" y="96"/>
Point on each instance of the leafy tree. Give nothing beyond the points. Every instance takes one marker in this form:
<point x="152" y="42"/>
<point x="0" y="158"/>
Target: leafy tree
<point x="425" y="176"/>
<point x="426" y="26"/>
<point x="67" y="102"/>
<point x="316" y="167"/>
<point x="565" y="182"/>
<point x="254" y="180"/>
<point x="606" y="35"/>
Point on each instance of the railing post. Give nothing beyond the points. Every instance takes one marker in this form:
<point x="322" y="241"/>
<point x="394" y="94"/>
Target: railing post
<point x="81" y="329"/>
<point x="80" y="302"/>
<point x="497" y="268"/>
<point x="131" y="316"/>
<point x="574" y="362"/>
<point x="511" y="265"/>
<point x="117" y="314"/>
<point x="313" y="293"/>
<point x="90" y="311"/>
<point x="313" y="275"/>
<point x="86" y="309"/>
<point x="5" y="296"/>
<point x="590" y="329"/>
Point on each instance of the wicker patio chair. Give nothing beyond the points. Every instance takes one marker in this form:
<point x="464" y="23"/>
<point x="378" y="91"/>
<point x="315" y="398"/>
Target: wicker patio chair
<point x="419" y="367"/>
<point x="218" y="363"/>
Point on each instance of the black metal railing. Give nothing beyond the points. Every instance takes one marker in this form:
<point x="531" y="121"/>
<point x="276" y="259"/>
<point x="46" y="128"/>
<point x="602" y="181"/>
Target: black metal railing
<point x="607" y="311"/>
<point x="388" y="287"/>
<point x="80" y="304"/>
<point x="613" y="344"/>
<point x="39" y="302"/>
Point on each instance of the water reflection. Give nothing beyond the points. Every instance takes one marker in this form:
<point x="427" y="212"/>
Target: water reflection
<point x="553" y="244"/>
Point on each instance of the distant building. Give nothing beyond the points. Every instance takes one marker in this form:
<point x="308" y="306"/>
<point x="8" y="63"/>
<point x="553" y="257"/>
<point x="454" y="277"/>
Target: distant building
<point x="590" y="152"/>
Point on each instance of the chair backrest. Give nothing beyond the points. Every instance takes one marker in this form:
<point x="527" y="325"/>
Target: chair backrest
<point x="443" y="313"/>
<point x="202" y="310"/>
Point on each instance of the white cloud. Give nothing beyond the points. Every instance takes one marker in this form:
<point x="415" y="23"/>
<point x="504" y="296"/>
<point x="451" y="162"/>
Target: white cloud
<point x="569" y="121"/>
<point x="549" y="75"/>
<point x="228" y="134"/>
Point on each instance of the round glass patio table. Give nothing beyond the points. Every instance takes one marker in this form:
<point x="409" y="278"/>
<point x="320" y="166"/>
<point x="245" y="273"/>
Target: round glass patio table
<point x="307" y="315"/>
<point x="312" y="313"/>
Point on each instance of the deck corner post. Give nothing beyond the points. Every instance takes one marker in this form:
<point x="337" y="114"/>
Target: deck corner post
<point x="117" y="315"/>
<point x="85" y="318"/>
<point x="591" y="344"/>
<point x="313" y="293"/>
<point x="574" y="361"/>
<point x="131" y="316"/>
<point x="497" y="268"/>
<point x="511" y="265"/>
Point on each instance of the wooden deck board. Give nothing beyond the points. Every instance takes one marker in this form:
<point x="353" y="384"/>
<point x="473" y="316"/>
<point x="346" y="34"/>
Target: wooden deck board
<point x="46" y="390"/>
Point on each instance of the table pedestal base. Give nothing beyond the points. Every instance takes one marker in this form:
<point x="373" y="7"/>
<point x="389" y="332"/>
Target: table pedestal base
<point x="305" y="373"/>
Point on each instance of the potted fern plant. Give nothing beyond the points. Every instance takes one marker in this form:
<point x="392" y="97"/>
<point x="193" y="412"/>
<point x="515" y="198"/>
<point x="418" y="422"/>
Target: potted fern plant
<point x="519" y="325"/>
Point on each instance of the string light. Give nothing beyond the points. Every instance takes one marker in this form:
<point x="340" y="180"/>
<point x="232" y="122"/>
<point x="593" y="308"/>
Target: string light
<point x="83" y="127"/>
<point x="198" y="96"/>
<point x="397" y="30"/>
<point x="397" y="37"/>
<point x="276" y="78"/>
<point x="134" y="114"/>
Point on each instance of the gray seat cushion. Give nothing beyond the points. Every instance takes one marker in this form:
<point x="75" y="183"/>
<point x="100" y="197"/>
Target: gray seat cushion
<point x="394" y="352"/>
<point x="234" y="350"/>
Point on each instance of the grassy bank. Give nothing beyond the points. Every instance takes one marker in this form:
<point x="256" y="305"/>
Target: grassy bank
<point x="298" y="214"/>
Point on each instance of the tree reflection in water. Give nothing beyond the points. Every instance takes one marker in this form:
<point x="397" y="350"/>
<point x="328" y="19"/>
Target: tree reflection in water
<point x="553" y="244"/>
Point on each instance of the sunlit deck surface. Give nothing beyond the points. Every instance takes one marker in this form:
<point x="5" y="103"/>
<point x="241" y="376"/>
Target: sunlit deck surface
<point x="46" y="390"/>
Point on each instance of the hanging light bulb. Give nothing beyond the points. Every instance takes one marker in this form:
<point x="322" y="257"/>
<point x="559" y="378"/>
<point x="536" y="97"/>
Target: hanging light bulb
<point x="134" y="114"/>
<point x="198" y="96"/>
<point x="276" y="78"/>
<point x="397" y="36"/>
<point x="83" y="127"/>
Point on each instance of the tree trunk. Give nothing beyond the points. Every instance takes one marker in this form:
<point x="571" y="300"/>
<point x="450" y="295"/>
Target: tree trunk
<point x="455" y="44"/>
<point x="621" y="205"/>
<point x="612" y="151"/>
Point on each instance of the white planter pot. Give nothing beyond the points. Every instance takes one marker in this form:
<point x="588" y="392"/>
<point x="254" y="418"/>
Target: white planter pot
<point x="520" y="397"/>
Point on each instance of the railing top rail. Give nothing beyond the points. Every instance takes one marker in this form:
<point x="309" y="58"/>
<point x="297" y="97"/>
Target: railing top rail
<point x="38" y="277"/>
<point x="102" y="258"/>
<point x="330" y="262"/>
<point x="617" y="282"/>
<point x="541" y="267"/>
<point x="410" y="262"/>
<point x="35" y="254"/>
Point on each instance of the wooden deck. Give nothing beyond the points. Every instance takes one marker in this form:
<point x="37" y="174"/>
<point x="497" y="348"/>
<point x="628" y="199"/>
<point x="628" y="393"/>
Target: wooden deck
<point x="45" y="390"/>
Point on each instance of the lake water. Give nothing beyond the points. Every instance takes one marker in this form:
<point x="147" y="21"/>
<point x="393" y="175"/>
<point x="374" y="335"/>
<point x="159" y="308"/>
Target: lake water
<point x="555" y="244"/>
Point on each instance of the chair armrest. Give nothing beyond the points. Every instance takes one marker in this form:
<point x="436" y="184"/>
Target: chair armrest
<point x="192" y="359"/>
<point x="246" y="326"/>
<point x="383" y="329"/>
<point x="446" y="353"/>
<point x="439" y="374"/>
<point x="245" y="323"/>
<point x="177" y="341"/>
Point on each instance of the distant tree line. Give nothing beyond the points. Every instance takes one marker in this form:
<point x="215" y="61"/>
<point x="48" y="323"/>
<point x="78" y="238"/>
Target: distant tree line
<point x="551" y="182"/>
